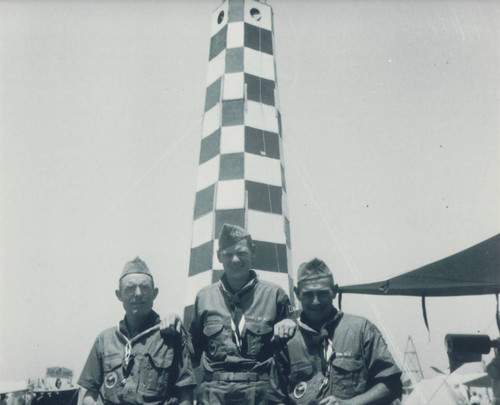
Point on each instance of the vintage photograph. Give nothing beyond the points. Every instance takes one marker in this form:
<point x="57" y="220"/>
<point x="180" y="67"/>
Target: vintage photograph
<point x="249" y="202"/>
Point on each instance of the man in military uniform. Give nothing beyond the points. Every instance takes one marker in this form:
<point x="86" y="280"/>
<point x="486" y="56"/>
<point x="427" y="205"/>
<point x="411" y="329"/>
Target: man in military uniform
<point x="233" y="324"/>
<point x="334" y="358"/>
<point x="135" y="363"/>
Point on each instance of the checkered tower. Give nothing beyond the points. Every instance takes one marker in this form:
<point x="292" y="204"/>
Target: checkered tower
<point x="241" y="176"/>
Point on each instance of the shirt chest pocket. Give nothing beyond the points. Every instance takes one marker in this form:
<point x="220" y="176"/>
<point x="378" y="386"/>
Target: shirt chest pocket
<point x="258" y="337"/>
<point x="219" y="339"/>
<point x="348" y="376"/>
<point x="113" y="375"/>
<point x="155" y="372"/>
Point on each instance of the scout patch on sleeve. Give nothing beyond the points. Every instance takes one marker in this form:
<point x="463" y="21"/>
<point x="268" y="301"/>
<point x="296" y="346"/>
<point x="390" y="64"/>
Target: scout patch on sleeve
<point x="300" y="390"/>
<point x="110" y="380"/>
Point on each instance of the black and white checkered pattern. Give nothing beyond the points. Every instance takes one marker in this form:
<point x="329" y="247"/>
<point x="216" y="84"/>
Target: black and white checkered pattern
<point x="241" y="174"/>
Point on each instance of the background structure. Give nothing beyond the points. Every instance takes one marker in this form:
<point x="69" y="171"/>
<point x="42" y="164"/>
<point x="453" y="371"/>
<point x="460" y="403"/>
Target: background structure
<point x="241" y="173"/>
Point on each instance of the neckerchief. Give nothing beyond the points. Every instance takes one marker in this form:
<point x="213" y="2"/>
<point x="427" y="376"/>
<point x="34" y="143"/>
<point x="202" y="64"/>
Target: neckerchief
<point x="234" y="303"/>
<point x="151" y="324"/>
<point x="323" y="338"/>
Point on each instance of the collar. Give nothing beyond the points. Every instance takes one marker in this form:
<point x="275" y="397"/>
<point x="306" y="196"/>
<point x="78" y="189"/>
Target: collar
<point x="247" y="287"/>
<point x="152" y="319"/>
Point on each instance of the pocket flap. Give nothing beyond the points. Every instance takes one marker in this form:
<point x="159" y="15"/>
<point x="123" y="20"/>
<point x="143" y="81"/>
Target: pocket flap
<point x="348" y="364"/>
<point x="162" y="361"/>
<point x="212" y="328"/>
<point x="112" y="362"/>
<point x="259" y="328"/>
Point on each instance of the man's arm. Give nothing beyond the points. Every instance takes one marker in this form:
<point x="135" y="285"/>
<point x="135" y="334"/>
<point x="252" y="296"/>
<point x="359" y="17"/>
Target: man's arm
<point x="285" y="327"/>
<point x="277" y="390"/>
<point x="284" y="308"/>
<point x="382" y="368"/>
<point x="185" y="381"/>
<point x="284" y="330"/>
<point x="90" y="397"/>
<point x="196" y="335"/>
<point x="171" y="325"/>
<point x="92" y="376"/>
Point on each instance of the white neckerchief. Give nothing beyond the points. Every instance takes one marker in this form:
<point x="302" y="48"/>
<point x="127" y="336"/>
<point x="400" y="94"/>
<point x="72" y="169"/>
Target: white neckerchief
<point x="130" y="342"/>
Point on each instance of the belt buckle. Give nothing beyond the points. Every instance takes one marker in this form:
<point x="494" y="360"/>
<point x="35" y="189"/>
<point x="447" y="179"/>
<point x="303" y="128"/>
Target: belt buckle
<point x="229" y="377"/>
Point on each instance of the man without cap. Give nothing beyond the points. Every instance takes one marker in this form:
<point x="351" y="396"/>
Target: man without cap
<point x="135" y="363"/>
<point x="233" y="324"/>
<point x="334" y="358"/>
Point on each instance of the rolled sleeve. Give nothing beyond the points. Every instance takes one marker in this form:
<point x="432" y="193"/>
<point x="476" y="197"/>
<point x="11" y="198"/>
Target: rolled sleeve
<point x="379" y="360"/>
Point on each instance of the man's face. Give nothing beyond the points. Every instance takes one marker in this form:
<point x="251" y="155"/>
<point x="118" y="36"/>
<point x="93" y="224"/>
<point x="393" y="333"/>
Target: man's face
<point x="237" y="259"/>
<point x="316" y="297"/>
<point x="137" y="294"/>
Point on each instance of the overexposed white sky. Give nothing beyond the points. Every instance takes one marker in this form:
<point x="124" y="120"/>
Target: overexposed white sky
<point x="391" y="133"/>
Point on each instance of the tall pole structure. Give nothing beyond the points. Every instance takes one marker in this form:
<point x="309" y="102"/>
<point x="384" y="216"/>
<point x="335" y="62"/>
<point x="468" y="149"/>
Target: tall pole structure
<point x="241" y="174"/>
<point x="412" y="371"/>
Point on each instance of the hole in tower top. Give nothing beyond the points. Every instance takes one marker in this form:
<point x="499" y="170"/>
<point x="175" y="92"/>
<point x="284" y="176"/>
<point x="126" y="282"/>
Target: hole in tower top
<point x="255" y="13"/>
<point x="220" y="17"/>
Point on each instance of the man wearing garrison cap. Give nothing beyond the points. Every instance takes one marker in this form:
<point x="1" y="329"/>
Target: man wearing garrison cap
<point x="135" y="362"/>
<point x="233" y="325"/>
<point x="334" y="358"/>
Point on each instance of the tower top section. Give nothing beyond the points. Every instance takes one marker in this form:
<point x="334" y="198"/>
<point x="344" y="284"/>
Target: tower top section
<point x="252" y="12"/>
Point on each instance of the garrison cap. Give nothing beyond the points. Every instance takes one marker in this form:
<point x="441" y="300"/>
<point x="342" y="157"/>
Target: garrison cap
<point x="231" y="234"/>
<point x="314" y="270"/>
<point x="136" y="266"/>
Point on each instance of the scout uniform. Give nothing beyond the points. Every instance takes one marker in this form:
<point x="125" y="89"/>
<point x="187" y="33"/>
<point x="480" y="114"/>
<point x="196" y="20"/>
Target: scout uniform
<point x="145" y="369"/>
<point x="232" y="332"/>
<point x="345" y="358"/>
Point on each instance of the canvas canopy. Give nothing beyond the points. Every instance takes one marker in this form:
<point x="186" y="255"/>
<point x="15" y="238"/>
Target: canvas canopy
<point x="472" y="271"/>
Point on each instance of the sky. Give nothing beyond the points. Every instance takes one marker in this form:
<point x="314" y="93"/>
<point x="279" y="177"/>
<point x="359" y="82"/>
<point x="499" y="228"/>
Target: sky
<point x="391" y="139"/>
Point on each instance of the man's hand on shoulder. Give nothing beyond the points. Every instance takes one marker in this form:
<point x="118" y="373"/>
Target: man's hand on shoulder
<point x="284" y="330"/>
<point x="170" y="324"/>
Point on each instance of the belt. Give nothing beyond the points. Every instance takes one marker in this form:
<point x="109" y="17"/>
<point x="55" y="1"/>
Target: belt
<point x="236" y="377"/>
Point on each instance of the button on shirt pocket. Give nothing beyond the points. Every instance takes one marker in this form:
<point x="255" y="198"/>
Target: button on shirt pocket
<point x="258" y="335"/>
<point x="155" y="372"/>
<point x="347" y="376"/>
